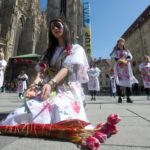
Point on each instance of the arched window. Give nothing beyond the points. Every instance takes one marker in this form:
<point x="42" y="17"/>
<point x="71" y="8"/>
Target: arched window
<point x="22" y="21"/>
<point x="1" y="3"/>
<point x="63" y="7"/>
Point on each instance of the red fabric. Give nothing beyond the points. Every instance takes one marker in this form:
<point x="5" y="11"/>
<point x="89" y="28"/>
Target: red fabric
<point x="71" y="130"/>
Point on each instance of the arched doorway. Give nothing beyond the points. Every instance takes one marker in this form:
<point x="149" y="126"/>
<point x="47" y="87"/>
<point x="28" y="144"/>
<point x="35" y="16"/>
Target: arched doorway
<point x="20" y="27"/>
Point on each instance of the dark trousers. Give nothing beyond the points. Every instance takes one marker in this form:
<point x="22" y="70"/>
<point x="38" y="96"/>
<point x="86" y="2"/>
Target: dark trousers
<point x="147" y="91"/>
<point x="120" y="92"/>
<point x="20" y="94"/>
<point x="93" y="93"/>
<point x="2" y="89"/>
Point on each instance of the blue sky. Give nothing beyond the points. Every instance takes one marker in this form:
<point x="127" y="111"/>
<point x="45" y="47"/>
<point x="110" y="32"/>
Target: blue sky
<point x="43" y="4"/>
<point x="109" y="20"/>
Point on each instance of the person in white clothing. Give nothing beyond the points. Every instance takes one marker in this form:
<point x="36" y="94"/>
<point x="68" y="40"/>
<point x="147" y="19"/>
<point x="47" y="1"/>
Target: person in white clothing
<point x="3" y="64"/>
<point x="112" y="82"/>
<point x="122" y="70"/>
<point x="55" y="98"/>
<point x="144" y="67"/>
<point x="56" y="93"/>
<point x="93" y="84"/>
<point x="22" y="83"/>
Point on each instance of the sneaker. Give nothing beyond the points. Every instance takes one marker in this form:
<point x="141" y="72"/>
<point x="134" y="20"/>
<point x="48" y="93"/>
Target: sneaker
<point x="129" y="100"/>
<point x="21" y="97"/>
<point x="119" y="100"/>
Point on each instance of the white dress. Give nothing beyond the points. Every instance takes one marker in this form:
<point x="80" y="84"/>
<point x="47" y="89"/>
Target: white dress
<point x="123" y="74"/>
<point x="113" y="83"/>
<point x="93" y="84"/>
<point x="145" y="73"/>
<point x="68" y="102"/>
<point x="3" y="64"/>
<point x="22" y="83"/>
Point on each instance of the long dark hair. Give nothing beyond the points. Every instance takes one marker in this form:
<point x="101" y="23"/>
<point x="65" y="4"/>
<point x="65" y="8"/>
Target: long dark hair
<point x="117" y="47"/>
<point x="53" y="42"/>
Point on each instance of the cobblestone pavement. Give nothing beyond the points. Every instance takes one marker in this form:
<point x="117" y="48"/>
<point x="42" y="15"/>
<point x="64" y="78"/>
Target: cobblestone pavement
<point x="134" y="129"/>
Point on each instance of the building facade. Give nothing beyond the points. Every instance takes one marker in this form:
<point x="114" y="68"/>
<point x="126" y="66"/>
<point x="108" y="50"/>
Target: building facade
<point x="24" y="28"/>
<point x="137" y="39"/>
<point x="20" y="27"/>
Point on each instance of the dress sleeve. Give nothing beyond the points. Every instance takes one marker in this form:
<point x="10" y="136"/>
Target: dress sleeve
<point x="77" y="59"/>
<point x="26" y="77"/>
<point x="98" y="71"/>
<point x="3" y="64"/>
<point x="140" y="66"/>
<point x="129" y="56"/>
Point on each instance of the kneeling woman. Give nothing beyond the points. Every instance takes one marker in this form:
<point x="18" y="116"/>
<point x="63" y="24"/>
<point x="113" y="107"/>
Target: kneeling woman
<point x="63" y="69"/>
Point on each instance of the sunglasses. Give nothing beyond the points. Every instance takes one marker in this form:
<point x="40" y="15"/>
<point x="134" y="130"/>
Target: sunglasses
<point x="57" y="25"/>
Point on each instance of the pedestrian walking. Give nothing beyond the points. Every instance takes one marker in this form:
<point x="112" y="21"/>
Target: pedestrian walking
<point x="144" y="67"/>
<point x="122" y="70"/>
<point x="3" y="64"/>
<point x="22" y="84"/>
<point x="93" y="84"/>
<point x="112" y="83"/>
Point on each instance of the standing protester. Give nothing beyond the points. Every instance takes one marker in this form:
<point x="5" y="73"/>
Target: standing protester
<point x="112" y="83"/>
<point x="144" y="67"/>
<point x="22" y="83"/>
<point x="3" y="64"/>
<point x="93" y="84"/>
<point x="122" y="70"/>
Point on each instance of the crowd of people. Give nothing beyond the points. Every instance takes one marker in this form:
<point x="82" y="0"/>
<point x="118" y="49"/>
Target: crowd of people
<point x="56" y="93"/>
<point x="19" y="85"/>
<point x="121" y="78"/>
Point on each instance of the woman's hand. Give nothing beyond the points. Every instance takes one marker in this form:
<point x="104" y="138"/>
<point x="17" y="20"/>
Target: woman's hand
<point x="31" y="92"/>
<point x="46" y="90"/>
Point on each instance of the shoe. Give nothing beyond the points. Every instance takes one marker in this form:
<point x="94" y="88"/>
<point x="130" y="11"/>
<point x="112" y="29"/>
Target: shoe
<point x="129" y="100"/>
<point x="21" y="97"/>
<point x="94" y="99"/>
<point x="119" y="100"/>
<point x="84" y="104"/>
<point x="148" y="97"/>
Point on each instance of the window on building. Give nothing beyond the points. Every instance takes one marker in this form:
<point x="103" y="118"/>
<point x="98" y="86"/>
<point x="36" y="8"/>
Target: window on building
<point x="144" y="41"/>
<point x="1" y="3"/>
<point x="0" y="28"/>
<point x="146" y="50"/>
<point x="149" y="25"/>
<point x="63" y="7"/>
<point x="134" y="63"/>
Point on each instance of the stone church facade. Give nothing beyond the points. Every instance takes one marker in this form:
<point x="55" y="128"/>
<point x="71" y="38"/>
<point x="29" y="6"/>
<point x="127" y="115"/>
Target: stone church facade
<point x="23" y="26"/>
<point x="24" y="29"/>
<point x="21" y="22"/>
